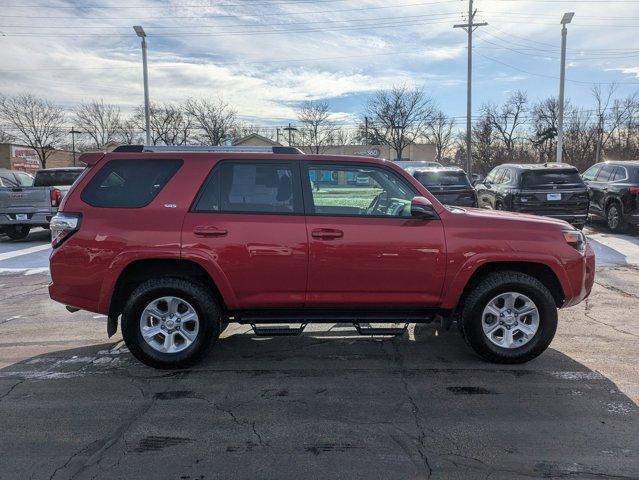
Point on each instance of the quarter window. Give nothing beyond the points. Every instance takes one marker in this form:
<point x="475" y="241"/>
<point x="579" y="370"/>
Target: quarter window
<point x="358" y="190"/>
<point x="251" y="187"/>
<point x="129" y="183"/>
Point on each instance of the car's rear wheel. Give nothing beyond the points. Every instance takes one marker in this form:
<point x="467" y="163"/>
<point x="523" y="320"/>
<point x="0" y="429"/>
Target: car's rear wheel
<point x="614" y="219"/>
<point x="170" y="322"/>
<point x="509" y="317"/>
<point x="17" y="232"/>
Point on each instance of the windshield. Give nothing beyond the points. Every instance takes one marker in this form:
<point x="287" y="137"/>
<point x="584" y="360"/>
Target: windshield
<point x="442" y="179"/>
<point x="551" y="177"/>
<point x="54" y="178"/>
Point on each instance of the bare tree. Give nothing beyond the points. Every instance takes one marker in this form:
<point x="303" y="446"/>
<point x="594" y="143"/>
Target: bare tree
<point x="37" y="122"/>
<point x="544" y="127"/>
<point x="215" y="119"/>
<point x="129" y="132"/>
<point x="317" y="129"/>
<point x="398" y="116"/>
<point x="507" y="119"/>
<point x="5" y="137"/>
<point x="99" y="120"/>
<point x="170" y="124"/>
<point x="439" y="132"/>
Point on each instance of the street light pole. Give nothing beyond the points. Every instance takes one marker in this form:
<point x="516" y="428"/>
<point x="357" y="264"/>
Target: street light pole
<point x="565" y="20"/>
<point x="73" y="133"/>
<point x="147" y="116"/>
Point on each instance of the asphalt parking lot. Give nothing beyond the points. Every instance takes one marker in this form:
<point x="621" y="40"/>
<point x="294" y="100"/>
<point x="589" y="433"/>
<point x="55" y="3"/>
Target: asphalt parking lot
<point x="328" y="404"/>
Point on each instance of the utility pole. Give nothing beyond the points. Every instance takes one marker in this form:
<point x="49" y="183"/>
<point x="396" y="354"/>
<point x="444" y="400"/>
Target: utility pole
<point x="470" y="28"/>
<point x="565" y="20"/>
<point x="147" y="116"/>
<point x="73" y="133"/>
<point x="277" y="133"/>
<point x="599" y="137"/>
<point x="290" y="130"/>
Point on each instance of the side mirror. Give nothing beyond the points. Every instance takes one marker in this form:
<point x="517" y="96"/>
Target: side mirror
<point x="421" y="208"/>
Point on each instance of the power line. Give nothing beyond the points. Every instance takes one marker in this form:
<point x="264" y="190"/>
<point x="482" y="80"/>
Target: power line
<point x="552" y="76"/>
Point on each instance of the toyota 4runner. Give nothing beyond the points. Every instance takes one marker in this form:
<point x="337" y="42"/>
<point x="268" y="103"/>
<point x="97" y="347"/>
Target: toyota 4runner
<point x="178" y="242"/>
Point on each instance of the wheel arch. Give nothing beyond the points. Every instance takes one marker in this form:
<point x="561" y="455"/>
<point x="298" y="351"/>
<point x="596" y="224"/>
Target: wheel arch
<point x="539" y="271"/>
<point x="139" y="271"/>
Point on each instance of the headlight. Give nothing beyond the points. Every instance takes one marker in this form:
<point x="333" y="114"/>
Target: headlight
<point x="576" y="239"/>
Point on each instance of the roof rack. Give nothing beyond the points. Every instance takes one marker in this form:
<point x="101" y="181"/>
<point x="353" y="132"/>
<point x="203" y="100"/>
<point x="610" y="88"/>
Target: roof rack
<point x="206" y="148"/>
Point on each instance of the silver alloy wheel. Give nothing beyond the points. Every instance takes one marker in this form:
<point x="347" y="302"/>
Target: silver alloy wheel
<point x="169" y="324"/>
<point x="613" y="217"/>
<point x="510" y="320"/>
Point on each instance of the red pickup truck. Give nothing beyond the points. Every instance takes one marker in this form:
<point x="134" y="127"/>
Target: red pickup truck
<point x="178" y="242"/>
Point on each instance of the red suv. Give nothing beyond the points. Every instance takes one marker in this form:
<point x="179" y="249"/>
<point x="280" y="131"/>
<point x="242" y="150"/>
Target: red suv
<point x="180" y="242"/>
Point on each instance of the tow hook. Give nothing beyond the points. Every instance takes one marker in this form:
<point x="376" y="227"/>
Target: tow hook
<point x="72" y="309"/>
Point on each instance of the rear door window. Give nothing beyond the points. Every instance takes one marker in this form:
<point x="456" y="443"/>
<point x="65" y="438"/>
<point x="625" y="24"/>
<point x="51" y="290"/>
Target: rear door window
<point x="442" y="179"/>
<point x="24" y="179"/>
<point x="540" y="178"/>
<point x="591" y="173"/>
<point x="251" y="187"/>
<point x="129" y="183"/>
<point x="619" y="174"/>
<point x="605" y="173"/>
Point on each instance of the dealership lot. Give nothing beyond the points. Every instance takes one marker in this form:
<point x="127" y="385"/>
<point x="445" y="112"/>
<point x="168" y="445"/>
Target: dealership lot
<point x="328" y="404"/>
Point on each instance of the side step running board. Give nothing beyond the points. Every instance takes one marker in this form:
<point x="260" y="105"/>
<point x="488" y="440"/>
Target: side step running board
<point x="277" y="331"/>
<point x="390" y="331"/>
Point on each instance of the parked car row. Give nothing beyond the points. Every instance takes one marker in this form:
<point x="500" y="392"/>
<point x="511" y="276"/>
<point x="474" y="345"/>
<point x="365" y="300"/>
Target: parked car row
<point x="609" y="190"/>
<point x="27" y="202"/>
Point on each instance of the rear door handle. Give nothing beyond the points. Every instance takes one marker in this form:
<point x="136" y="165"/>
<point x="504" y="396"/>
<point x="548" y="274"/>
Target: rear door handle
<point x="327" y="233"/>
<point x="209" y="231"/>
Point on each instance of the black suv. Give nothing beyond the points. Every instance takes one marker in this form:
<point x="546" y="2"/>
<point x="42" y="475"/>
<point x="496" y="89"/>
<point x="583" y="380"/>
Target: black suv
<point x="614" y="193"/>
<point x="553" y="190"/>
<point x="449" y="184"/>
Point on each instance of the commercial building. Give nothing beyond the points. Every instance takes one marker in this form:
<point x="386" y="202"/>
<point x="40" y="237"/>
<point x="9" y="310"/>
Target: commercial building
<point x="23" y="158"/>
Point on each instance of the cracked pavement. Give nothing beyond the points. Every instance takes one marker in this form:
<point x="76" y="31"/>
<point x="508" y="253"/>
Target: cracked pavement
<point x="328" y="404"/>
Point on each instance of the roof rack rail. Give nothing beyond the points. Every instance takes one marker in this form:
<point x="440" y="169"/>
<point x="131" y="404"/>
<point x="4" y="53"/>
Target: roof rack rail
<point x="206" y="148"/>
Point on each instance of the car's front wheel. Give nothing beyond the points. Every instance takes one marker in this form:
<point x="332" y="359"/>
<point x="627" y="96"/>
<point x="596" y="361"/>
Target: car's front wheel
<point x="170" y="322"/>
<point x="509" y="317"/>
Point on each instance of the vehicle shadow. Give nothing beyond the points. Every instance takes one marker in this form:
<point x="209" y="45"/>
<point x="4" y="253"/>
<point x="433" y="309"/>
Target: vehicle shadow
<point x="327" y="404"/>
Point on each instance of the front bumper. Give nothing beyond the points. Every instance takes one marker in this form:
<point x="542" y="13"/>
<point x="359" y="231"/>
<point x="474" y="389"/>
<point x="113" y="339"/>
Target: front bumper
<point x="582" y="278"/>
<point x="633" y="219"/>
<point x="35" y="219"/>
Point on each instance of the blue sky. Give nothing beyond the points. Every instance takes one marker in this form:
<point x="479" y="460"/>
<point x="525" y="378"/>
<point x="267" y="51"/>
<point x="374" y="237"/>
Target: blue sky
<point x="266" y="56"/>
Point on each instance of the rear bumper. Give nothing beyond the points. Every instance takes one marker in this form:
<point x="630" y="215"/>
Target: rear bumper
<point x="37" y="218"/>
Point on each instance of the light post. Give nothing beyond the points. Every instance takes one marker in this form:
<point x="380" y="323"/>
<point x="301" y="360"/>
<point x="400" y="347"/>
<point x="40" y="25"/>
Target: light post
<point x="565" y="20"/>
<point x="73" y="133"/>
<point x="147" y="117"/>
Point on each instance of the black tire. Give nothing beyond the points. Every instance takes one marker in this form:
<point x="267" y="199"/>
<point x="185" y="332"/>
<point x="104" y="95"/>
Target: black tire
<point x="17" y="232"/>
<point x="614" y="218"/>
<point x="209" y="315"/>
<point x="486" y="289"/>
<point x="499" y="206"/>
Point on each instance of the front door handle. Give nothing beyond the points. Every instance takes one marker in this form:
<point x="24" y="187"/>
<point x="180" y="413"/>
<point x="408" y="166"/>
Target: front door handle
<point x="327" y="233"/>
<point x="209" y="231"/>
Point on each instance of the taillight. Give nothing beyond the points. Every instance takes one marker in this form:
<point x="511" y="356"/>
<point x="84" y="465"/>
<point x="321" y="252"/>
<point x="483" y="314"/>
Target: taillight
<point x="62" y="226"/>
<point x="634" y="190"/>
<point x="56" y="197"/>
<point x="575" y="239"/>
